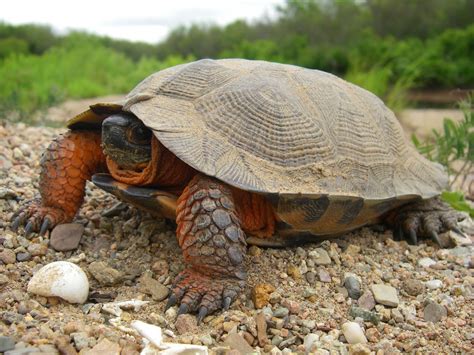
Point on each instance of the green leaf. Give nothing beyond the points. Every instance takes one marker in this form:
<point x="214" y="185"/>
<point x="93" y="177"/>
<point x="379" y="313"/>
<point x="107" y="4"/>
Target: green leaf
<point x="457" y="201"/>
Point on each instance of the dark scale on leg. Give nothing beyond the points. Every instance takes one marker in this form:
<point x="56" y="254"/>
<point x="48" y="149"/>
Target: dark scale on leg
<point x="426" y="219"/>
<point x="213" y="245"/>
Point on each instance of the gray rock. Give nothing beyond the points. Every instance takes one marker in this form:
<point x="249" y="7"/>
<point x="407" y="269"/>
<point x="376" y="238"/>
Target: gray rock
<point x="6" y="343"/>
<point x="103" y="273"/>
<point x="65" y="237"/>
<point x="309" y="341"/>
<point x="281" y="312"/>
<point x="324" y="275"/>
<point x="150" y="286"/>
<point x="186" y="323"/>
<point x="23" y="351"/>
<point x="434" y="284"/>
<point x="366" y="315"/>
<point x="81" y="340"/>
<point x="367" y="301"/>
<point x="23" y="256"/>
<point x="434" y="312"/>
<point x="7" y="194"/>
<point x="310" y="277"/>
<point x="353" y="287"/>
<point x="386" y="295"/>
<point x="320" y="256"/>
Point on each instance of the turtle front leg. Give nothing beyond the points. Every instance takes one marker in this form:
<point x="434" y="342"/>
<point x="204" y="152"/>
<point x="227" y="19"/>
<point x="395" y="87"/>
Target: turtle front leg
<point x="426" y="219"/>
<point x="69" y="161"/>
<point x="213" y="245"/>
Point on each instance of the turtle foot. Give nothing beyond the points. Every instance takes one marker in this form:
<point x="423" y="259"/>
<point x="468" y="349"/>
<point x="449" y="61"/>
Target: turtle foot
<point x="196" y="292"/>
<point x="37" y="218"/>
<point x="426" y="219"/>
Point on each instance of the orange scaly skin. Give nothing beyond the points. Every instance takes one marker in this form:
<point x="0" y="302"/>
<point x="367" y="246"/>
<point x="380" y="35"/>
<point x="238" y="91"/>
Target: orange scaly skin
<point x="70" y="160"/>
<point x="213" y="244"/>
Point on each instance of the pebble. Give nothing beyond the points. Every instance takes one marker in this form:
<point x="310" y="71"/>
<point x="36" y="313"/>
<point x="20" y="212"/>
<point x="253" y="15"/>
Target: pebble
<point x="23" y="256"/>
<point x="413" y="287"/>
<point x="106" y="275"/>
<point x="7" y="194"/>
<point x="147" y="284"/>
<point x="37" y="249"/>
<point x="65" y="237"/>
<point x="353" y="287"/>
<point x="310" y="277"/>
<point x="386" y="295"/>
<point x="8" y="256"/>
<point x="353" y="333"/>
<point x="81" y="340"/>
<point x="293" y="306"/>
<point x="261" y="294"/>
<point x="3" y="279"/>
<point x="434" y="312"/>
<point x="324" y="275"/>
<point x="5" y="163"/>
<point x="366" y="315"/>
<point x="309" y="341"/>
<point x="320" y="256"/>
<point x="281" y="312"/>
<point x="366" y="301"/>
<point x="186" y="323"/>
<point x="104" y="347"/>
<point x="236" y="342"/>
<point x="434" y="284"/>
<point x="426" y="262"/>
<point x="6" y="343"/>
<point x="294" y="272"/>
<point x="261" y="325"/>
<point x="359" y="349"/>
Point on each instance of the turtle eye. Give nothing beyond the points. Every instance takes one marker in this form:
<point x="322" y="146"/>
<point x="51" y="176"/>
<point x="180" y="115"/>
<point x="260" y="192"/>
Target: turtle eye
<point x="139" y="134"/>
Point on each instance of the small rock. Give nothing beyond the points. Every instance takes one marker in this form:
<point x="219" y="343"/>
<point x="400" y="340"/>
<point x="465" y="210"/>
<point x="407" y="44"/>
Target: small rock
<point x="103" y="273"/>
<point x="373" y="335"/>
<point x="261" y="294"/>
<point x="366" y="315"/>
<point x="23" y="256"/>
<point x="324" y="275"/>
<point x="206" y="340"/>
<point x="294" y="272"/>
<point x="7" y="256"/>
<point x="413" y="287"/>
<point x="5" y="164"/>
<point x="37" y="249"/>
<point x="261" y="329"/>
<point x="426" y="262"/>
<point x="434" y="284"/>
<point x="434" y="312"/>
<point x="353" y="333"/>
<point x="7" y="194"/>
<point x="309" y="342"/>
<point x="148" y="285"/>
<point x="281" y="312"/>
<point x="320" y="256"/>
<point x="353" y="287"/>
<point x="254" y="251"/>
<point x="65" y="237"/>
<point x="236" y="342"/>
<point x="386" y="295"/>
<point x="310" y="277"/>
<point x="367" y="301"/>
<point x="3" y="279"/>
<point x="81" y="340"/>
<point x="359" y="349"/>
<point x="186" y="323"/>
<point x="6" y="343"/>
<point x="293" y="306"/>
<point x="230" y="327"/>
<point x="352" y="249"/>
<point x="104" y="347"/>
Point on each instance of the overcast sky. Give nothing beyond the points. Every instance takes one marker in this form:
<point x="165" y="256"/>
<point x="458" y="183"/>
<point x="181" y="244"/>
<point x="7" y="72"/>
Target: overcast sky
<point x="144" y="20"/>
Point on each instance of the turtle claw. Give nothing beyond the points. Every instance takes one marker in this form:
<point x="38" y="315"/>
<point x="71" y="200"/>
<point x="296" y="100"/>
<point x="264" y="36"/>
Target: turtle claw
<point x="434" y="236"/>
<point x="172" y="300"/>
<point x="183" y="309"/>
<point x="202" y="314"/>
<point x="44" y="226"/>
<point x="412" y="237"/>
<point x="226" y="303"/>
<point x="29" y="228"/>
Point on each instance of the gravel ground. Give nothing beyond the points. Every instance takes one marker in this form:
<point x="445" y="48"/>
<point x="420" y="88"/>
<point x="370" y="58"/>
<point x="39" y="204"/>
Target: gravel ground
<point x="363" y="288"/>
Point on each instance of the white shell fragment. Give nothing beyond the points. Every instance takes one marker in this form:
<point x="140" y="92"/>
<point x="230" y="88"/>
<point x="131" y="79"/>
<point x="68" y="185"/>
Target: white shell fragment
<point x="115" y="308"/>
<point x="60" y="279"/>
<point x="153" y="334"/>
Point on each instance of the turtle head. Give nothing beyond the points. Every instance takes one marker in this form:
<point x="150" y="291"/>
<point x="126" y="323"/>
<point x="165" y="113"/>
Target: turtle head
<point x="127" y="141"/>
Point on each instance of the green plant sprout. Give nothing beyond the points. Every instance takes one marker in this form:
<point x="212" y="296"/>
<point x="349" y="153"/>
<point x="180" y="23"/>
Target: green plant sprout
<point x="454" y="148"/>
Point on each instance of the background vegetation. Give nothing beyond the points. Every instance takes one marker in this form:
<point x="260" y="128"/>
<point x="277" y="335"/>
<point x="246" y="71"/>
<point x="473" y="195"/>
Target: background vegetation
<point x="386" y="46"/>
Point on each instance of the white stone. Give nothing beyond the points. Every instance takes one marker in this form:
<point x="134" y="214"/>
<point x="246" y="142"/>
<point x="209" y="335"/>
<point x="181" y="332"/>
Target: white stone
<point x="353" y="333"/>
<point x="426" y="262"/>
<point x="386" y="295"/>
<point x="60" y="279"/>
<point x="309" y="341"/>
<point x="434" y="284"/>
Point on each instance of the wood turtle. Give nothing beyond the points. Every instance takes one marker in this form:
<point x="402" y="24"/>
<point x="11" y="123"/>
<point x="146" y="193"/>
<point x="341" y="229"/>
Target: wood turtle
<point x="241" y="151"/>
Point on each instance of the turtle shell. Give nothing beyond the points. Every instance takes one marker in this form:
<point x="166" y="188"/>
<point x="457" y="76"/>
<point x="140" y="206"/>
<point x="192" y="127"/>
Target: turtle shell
<point x="309" y="140"/>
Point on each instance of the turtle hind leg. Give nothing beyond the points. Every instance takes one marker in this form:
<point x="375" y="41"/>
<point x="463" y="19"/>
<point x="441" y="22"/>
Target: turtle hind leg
<point x="425" y="219"/>
<point x="213" y="245"/>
